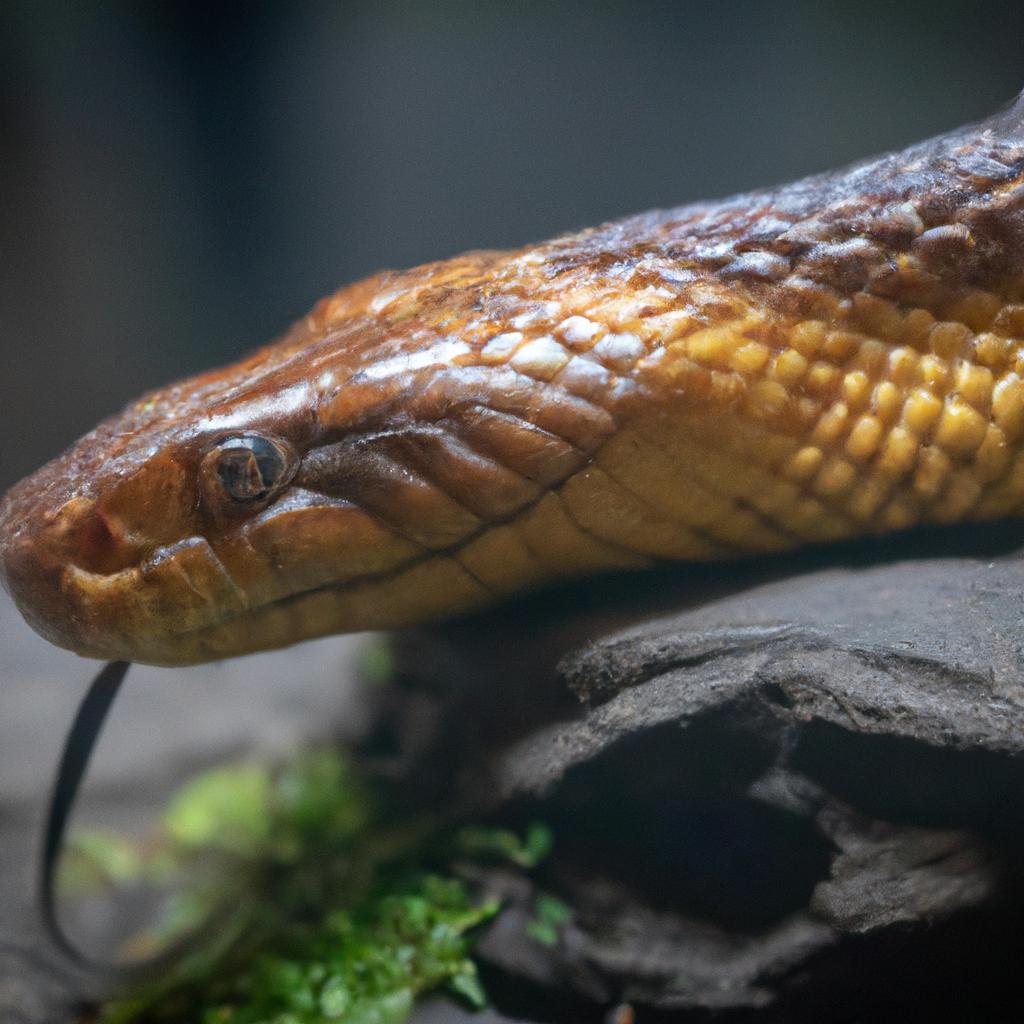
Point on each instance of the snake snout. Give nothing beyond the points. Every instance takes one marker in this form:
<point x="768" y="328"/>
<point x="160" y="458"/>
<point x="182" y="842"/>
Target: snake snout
<point x="41" y="549"/>
<point x="85" y="582"/>
<point x="37" y="546"/>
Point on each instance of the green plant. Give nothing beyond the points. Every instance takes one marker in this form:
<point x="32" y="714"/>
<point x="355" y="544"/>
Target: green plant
<point x="323" y="912"/>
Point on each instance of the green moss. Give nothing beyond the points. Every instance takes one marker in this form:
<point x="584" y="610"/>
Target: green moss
<point x="363" y="965"/>
<point x="549" y="914"/>
<point x="223" y="809"/>
<point x="503" y="844"/>
<point x="323" y="912"/>
<point x="377" y="660"/>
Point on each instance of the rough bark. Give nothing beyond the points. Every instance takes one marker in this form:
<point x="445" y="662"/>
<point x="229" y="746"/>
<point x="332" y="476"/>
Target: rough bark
<point x="805" y="795"/>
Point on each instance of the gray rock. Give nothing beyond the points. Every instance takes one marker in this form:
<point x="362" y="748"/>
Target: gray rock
<point x="758" y="792"/>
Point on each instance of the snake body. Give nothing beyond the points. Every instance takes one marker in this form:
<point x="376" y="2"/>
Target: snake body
<point x="835" y="357"/>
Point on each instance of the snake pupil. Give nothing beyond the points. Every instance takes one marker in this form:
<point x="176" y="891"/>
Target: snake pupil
<point x="249" y="468"/>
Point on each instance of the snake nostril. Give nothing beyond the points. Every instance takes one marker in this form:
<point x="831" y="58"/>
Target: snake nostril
<point x="77" y="533"/>
<point x="98" y="545"/>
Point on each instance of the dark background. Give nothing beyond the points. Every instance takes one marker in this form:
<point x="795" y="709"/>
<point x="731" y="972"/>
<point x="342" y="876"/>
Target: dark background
<point x="178" y="182"/>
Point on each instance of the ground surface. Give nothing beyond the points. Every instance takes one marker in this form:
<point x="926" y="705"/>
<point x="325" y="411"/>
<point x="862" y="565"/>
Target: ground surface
<point x="167" y="724"/>
<point x="795" y="788"/>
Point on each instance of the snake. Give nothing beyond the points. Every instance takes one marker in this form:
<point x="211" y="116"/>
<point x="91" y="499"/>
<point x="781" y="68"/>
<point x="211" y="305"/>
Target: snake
<point x="834" y="358"/>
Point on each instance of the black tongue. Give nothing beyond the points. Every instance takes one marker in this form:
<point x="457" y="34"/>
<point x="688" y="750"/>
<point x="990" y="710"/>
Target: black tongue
<point x="78" y="748"/>
<point x="105" y="976"/>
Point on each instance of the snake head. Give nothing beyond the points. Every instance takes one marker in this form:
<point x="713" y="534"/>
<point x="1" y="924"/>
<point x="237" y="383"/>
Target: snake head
<point x="332" y="481"/>
<point x="835" y="357"/>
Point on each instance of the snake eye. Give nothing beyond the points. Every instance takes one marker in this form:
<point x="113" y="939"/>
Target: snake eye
<point x="250" y="467"/>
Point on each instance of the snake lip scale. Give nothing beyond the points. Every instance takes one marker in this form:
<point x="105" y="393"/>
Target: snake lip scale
<point x="836" y="357"/>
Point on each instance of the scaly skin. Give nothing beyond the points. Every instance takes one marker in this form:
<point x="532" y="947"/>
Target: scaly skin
<point x="837" y="357"/>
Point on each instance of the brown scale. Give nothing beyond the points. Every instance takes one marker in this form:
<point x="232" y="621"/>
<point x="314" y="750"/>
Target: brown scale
<point x="836" y="357"/>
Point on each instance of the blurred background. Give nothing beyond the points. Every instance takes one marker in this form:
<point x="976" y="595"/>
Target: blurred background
<point x="180" y="181"/>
